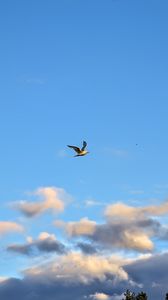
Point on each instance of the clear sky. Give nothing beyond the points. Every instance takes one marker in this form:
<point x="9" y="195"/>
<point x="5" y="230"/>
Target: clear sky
<point x="71" y="71"/>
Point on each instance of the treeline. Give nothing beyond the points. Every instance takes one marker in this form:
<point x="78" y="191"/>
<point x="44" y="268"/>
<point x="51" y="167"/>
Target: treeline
<point x="140" y="296"/>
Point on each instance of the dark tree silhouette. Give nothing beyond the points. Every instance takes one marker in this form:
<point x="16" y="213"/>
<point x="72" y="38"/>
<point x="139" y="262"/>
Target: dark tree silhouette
<point x="129" y="295"/>
<point x="142" y="296"/>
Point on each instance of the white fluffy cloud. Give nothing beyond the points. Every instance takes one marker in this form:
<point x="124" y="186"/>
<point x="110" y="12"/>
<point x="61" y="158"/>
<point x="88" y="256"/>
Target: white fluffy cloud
<point x="125" y="227"/>
<point x="121" y="210"/>
<point x="51" y="198"/>
<point x="77" y="267"/>
<point x="127" y="235"/>
<point x="82" y="227"/>
<point x="100" y="296"/>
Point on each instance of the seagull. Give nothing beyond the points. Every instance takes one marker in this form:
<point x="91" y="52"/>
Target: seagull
<point x="80" y="152"/>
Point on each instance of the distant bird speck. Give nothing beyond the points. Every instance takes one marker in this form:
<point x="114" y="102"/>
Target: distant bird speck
<point x="80" y="152"/>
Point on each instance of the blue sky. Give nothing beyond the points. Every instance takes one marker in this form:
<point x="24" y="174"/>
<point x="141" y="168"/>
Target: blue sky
<point x="73" y="71"/>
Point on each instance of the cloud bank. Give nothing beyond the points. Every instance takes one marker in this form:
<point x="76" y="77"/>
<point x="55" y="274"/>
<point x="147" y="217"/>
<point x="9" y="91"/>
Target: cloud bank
<point x="125" y="227"/>
<point x="88" y="267"/>
<point x="76" y="267"/>
<point x="78" y="277"/>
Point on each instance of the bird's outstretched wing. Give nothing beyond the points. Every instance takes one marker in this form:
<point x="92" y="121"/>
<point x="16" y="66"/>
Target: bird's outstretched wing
<point x="84" y="145"/>
<point x="75" y="148"/>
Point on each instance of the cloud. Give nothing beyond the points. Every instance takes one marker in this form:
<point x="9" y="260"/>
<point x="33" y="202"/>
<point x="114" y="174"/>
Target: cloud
<point x="2" y="279"/>
<point x="52" y="199"/>
<point x="91" y="202"/>
<point x="123" y="235"/>
<point x="44" y="243"/>
<point x="7" y="226"/>
<point x="62" y="153"/>
<point x="76" y="267"/>
<point x="100" y="296"/>
<point x="79" y="277"/>
<point x="118" y="297"/>
<point x="136" y="192"/>
<point x="86" y="248"/>
<point x="152" y="273"/>
<point x="121" y="210"/>
<point x="21" y="249"/>
<point x="125" y="227"/>
<point x="42" y="289"/>
<point x="90" y="271"/>
<point x="82" y="227"/>
<point x="121" y="153"/>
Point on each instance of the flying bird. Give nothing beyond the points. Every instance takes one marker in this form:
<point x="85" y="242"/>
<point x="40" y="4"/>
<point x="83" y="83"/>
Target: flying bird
<point x="80" y="152"/>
